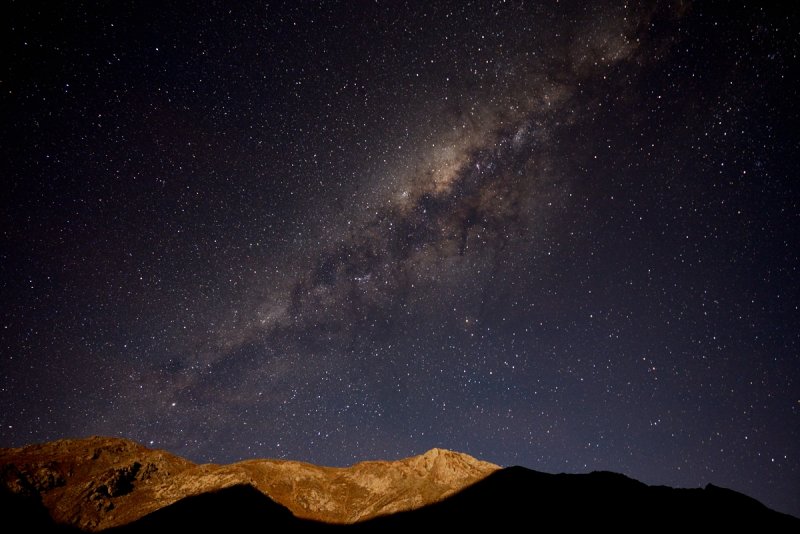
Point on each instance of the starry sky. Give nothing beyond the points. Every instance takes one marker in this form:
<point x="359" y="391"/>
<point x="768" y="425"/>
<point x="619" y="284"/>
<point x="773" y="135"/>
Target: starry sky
<point x="554" y="234"/>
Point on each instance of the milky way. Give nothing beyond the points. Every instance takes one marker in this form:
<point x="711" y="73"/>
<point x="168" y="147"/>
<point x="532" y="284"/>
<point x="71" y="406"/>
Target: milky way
<point x="546" y="234"/>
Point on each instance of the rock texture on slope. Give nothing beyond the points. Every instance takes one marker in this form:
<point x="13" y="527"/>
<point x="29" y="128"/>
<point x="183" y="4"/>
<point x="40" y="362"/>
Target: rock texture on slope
<point x="98" y="483"/>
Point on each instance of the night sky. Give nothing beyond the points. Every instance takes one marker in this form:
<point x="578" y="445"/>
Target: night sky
<point x="551" y="234"/>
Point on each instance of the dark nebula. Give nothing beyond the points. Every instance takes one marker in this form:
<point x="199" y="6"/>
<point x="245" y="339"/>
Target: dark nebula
<point x="552" y="234"/>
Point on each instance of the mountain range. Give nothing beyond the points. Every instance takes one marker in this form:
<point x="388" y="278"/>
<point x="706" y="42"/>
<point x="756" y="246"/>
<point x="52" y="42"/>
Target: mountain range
<point x="117" y="485"/>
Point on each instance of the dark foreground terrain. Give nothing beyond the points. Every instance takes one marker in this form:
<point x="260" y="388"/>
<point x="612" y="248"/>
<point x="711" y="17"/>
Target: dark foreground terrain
<point x="509" y="499"/>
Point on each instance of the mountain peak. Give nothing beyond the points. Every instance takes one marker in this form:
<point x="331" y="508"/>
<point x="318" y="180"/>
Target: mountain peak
<point x="450" y="455"/>
<point x="437" y="452"/>
<point x="450" y="467"/>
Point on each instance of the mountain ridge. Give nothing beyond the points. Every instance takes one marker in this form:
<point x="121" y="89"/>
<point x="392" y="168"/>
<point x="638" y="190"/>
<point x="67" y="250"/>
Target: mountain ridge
<point x="101" y="482"/>
<point x="120" y="486"/>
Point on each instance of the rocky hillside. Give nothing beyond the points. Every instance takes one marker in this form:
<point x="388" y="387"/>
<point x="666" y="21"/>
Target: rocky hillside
<point x="98" y="482"/>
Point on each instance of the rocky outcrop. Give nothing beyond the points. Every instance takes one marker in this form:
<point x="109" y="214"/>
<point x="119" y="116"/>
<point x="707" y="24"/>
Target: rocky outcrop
<point x="98" y="482"/>
<point x="89" y="483"/>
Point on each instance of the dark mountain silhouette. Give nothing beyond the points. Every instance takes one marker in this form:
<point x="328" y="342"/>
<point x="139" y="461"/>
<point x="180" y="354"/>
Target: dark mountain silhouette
<point x="514" y="497"/>
<point x="509" y="500"/>
<point x="240" y="508"/>
<point x="24" y="512"/>
<point x="118" y="486"/>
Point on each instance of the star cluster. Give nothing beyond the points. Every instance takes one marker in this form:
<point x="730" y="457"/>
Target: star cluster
<point x="551" y="234"/>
